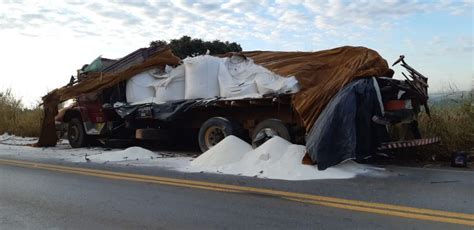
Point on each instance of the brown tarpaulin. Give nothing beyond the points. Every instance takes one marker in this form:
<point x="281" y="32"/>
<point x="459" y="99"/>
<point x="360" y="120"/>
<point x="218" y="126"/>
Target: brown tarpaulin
<point x="321" y="75"/>
<point x="93" y="82"/>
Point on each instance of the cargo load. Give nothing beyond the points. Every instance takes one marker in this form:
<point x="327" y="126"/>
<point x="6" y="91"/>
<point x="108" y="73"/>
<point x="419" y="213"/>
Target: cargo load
<point x="303" y="97"/>
<point x="205" y="77"/>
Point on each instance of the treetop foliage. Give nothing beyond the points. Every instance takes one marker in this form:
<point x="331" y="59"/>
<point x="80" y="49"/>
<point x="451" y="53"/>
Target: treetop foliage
<point x="187" y="46"/>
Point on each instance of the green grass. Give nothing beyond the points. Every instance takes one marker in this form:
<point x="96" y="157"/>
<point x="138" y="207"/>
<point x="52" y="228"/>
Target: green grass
<point x="16" y="119"/>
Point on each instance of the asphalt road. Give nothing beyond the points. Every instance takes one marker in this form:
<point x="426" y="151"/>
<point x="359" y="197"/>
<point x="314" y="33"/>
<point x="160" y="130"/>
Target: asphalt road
<point x="44" y="195"/>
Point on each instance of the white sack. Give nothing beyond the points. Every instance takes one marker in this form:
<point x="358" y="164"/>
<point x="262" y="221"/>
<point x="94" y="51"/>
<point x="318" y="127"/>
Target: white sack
<point x="244" y="70"/>
<point x="243" y="90"/>
<point x="225" y="80"/>
<point x="237" y="78"/>
<point x="232" y="87"/>
<point x="272" y="83"/>
<point x="170" y="86"/>
<point x="201" y="77"/>
<point x="138" y="87"/>
<point x="242" y="77"/>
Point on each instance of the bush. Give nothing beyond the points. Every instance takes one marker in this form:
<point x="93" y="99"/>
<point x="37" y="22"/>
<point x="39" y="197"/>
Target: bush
<point x="16" y="119"/>
<point x="452" y="121"/>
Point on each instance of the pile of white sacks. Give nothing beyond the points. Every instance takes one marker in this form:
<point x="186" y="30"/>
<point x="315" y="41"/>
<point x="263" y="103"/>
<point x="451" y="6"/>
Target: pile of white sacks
<point x="207" y="77"/>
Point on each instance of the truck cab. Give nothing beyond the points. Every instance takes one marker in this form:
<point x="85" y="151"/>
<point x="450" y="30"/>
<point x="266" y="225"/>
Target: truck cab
<point x="91" y="117"/>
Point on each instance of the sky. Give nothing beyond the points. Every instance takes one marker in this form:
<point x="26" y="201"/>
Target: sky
<point x="43" y="43"/>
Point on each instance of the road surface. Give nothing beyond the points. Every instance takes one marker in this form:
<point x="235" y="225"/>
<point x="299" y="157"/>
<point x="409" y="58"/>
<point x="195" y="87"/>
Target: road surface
<point x="59" y="195"/>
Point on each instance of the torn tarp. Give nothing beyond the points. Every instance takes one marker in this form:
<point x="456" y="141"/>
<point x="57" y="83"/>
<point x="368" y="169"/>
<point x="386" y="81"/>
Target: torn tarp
<point x="321" y="74"/>
<point x="344" y="129"/>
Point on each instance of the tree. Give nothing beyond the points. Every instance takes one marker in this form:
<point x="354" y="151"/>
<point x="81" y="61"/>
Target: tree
<point x="187" y="46"/>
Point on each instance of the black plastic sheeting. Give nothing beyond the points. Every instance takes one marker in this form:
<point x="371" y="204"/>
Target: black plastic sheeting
<point x="170" y="110"/>
<point x="163" y="112"/>
<point x="344" y="130"/>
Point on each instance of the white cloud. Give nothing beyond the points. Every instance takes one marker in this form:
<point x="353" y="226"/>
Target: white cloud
<point x="114" y="28"/>
<point x="340" y="14"/>
<point x="248" y="19"/>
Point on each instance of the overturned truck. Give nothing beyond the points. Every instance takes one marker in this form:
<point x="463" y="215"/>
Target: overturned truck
<point x="341" y="102"/>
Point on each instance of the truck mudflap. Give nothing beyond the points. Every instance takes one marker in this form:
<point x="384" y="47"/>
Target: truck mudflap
<point x="408" y="143"/>
<point x="93" y="128"/>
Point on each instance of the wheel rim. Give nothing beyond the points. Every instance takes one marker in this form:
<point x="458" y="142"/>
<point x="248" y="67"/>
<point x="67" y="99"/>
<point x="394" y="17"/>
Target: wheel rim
<point x="266" y="133"/>
<point x="214" y="135"/>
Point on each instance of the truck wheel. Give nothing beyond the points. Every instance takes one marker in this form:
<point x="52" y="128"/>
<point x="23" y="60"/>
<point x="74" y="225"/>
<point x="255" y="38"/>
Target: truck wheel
<point x="267" y="129"/>
<point x="76" y="134"/>
<point x="215" y="130"/>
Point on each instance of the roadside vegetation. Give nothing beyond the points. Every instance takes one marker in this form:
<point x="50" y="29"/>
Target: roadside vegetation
<point x="16" y="118"/>
<point x="452" y="119"/>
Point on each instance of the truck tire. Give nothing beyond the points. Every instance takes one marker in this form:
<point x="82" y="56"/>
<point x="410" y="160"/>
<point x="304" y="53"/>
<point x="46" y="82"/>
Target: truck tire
<point x="215" y="130"/>
<point x="267" y="129"/>
<point x="76" y="134"/>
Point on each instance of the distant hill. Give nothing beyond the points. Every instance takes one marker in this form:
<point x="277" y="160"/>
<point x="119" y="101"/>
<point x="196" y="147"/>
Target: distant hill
<point x="446" y="98"/>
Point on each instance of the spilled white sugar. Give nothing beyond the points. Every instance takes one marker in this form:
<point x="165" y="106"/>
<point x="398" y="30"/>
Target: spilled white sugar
<point x="15" y="140"/>
<point x="227" y="151"/>
<point x="132" y="153"/>
<point x="275" y="159"/>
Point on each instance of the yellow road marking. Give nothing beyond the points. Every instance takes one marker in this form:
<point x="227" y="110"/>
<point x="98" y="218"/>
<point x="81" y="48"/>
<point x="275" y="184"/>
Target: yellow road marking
<point x="81" y="172"/>
<point x="378" y="208"/>
<point x="389" y="212"/>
